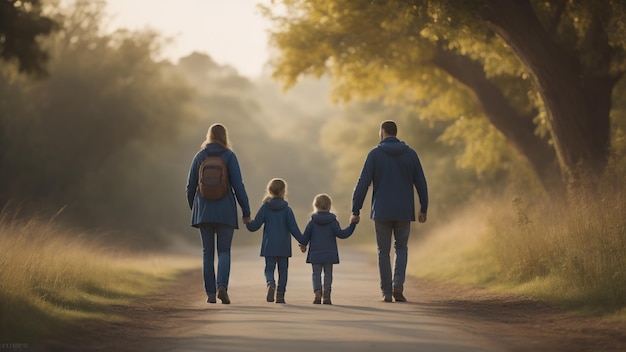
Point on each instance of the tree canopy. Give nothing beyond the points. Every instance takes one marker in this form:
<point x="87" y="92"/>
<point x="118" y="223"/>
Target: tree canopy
<point x="542" y="73"/>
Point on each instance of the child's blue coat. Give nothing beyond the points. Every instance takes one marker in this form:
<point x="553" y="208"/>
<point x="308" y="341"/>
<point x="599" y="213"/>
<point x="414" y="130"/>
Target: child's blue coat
<point x="280" y="223"/>
<point x="321" y="233"/>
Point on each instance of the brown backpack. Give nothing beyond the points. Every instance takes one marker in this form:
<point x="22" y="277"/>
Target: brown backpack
<point x="213" y="178"/>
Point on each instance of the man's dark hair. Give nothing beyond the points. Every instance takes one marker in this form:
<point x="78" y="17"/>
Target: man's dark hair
<point x="390" y="128"/>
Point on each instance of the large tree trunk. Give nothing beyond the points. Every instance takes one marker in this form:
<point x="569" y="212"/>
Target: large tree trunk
<point x="517" y="128"/>
<point x="578" y="102"/>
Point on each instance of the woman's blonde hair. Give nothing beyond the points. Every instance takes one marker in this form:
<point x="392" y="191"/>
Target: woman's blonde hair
<point x="217" y="133"/>
<point x="276" y="188"/>
<point x="322" y="202"/>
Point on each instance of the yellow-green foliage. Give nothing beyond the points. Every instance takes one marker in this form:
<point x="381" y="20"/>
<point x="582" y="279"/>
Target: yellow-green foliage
<point x="50" y="276"/>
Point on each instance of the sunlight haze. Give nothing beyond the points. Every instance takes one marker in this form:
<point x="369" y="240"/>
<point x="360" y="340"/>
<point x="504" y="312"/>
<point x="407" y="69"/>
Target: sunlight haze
<point x="231" y="32"/>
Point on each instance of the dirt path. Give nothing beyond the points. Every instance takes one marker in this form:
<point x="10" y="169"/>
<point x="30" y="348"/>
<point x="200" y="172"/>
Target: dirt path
<point x="439" y="317"/>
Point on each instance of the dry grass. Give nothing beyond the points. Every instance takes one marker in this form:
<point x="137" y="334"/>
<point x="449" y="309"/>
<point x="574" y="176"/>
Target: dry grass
<point x="455" y="251"/>
<point x="50" y="276"/>
<point x="569" y="252"/>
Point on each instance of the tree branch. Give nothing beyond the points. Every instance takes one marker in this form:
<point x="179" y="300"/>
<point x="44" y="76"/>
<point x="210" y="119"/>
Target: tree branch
<point x="516" y="127"/>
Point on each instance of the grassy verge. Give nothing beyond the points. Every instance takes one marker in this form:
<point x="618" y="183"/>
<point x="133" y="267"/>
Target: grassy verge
<point x="50" y="277"/>
<point x="570" y="253"/>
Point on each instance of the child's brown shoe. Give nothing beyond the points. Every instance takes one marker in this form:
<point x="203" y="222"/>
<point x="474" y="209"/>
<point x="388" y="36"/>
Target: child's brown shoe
<point x="271" y="288"/>
<point x="318" y="297"/>
<point x="280" y="297"/>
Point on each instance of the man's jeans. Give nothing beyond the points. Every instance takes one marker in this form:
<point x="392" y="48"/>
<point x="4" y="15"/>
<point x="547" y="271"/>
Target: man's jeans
<point x="224" y="233"/>
<point x="384" y="230"/>
<point x="283" y="267"/>
<point x="317" y="276"/>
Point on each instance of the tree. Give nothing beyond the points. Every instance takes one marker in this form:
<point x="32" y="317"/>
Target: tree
<point x="532" y="68"/>
<point x="93" y="137"/>
<point x="21" y="24"/>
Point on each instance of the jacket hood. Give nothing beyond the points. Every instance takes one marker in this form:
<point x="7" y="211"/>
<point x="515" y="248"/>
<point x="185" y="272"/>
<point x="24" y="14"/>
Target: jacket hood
<point x="214" y="148"/>
<point x="393" y="146"/>
<point x="276" y="203"/>
<point x="323" y="218"/>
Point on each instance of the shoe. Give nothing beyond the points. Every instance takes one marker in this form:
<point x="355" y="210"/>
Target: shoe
<point x="387" y="297"/>
<point x="326" y="299"/>
<point x="280" y="297"/>
<point x="271" y="289"/>
<point x="318" y="297"/>
<point x="211" y="297"/>
<point x="398" y="296"/>
<point x="223" y="295"/>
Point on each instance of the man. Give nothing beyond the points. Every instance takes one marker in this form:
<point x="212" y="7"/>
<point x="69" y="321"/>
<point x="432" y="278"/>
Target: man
<point x="394" y="169"/>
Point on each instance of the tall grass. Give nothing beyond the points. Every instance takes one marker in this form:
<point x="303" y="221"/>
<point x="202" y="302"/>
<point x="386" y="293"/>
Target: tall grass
<point x="572" y="252"/>
<point x="51" y="276"/>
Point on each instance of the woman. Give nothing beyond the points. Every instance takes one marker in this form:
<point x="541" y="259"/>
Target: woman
<point x="217" y="217"/>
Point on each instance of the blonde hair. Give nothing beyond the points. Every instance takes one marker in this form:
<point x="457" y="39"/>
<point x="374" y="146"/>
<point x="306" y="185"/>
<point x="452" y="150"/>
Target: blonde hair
<point x="276" y="188"/>
<point x="217" y="133"/>
<point x="322" y="202"/>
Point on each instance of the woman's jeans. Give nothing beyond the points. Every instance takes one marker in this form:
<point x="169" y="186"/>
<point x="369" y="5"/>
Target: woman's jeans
<point x="317" y="276"/>
<point x="270" y="267"/>
<point x="401" y="230"/>
<point x="208" y="232"/>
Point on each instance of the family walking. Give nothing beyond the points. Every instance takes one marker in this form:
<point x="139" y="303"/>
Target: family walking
<point x="215" y="186"/>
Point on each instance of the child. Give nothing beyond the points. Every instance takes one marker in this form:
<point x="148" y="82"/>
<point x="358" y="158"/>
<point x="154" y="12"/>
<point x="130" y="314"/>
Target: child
<point x="279" y="222"/>
<point x="322" y="232"/>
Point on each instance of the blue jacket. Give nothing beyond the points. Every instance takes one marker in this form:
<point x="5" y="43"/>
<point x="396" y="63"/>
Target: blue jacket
<point x="279" y="223"/>
<point x="394" y="169"/>
<point x="322" y="232"/>
<point x="223" y="211"/>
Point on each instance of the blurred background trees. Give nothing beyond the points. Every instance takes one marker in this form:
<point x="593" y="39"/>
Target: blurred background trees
<point x="21" y="22"/>
<point x="495" y="96"/>
<point x="106" y="139"/>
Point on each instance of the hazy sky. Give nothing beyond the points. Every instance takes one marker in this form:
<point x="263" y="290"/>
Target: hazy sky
<point x="231" y="31"/>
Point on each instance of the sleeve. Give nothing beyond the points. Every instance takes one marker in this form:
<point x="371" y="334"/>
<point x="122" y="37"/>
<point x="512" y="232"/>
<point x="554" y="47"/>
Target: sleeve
<point x="419" y="181"/>
<point x="293" y="227"/>
<point x="236" y="182"/>
<point x="192" y="180"/>
<point x="259" y="219"/>
<point x="362" y="185"/>
<point x="306" y="236"/>
<point x="345" y="233"/>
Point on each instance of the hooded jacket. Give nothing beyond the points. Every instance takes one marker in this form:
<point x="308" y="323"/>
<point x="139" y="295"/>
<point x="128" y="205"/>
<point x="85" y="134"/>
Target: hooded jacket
<point x="322" y="232"/>
<point x="393" y="168"/>
<point x="280" y="223"/>
<point x="223" y="211"/>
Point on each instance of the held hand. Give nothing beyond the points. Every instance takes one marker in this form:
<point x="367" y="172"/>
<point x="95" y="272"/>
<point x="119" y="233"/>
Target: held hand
<point x="355" y="218"/>
<point x="421" y="217"/>
<point x="302" y="248"/>
<point x="246" y="219"/>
